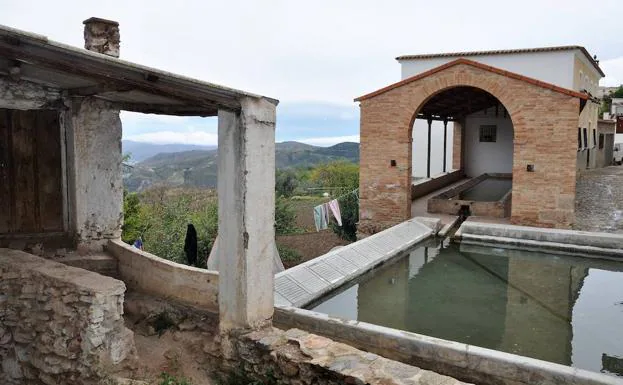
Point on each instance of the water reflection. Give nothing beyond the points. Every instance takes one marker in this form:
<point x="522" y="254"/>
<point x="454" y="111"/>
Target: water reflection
<point x="553" y="308"/>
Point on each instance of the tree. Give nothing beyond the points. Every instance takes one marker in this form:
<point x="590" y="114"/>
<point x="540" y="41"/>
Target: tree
<point x="340" y="173"/>
<point x="618" y="93"/>
<point x="285" y="183"/>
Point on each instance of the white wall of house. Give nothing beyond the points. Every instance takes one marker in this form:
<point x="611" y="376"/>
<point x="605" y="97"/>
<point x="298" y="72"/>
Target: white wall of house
<point x="553" y="67"/>
<point x="482" y="157"/>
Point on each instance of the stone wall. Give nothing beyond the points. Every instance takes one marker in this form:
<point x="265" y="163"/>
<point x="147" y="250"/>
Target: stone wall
<point x="296" y="357"/>
<point x="59" y="324"/>
<point x="545" y="120"/>
<point x="149" y="274"/>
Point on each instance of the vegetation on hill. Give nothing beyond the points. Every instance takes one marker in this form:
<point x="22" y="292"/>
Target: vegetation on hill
<point x="159" y="215"/>
<point x="198" y="168"/>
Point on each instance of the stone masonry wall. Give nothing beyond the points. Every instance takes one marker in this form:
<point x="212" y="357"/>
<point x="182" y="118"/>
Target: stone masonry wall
<point x="58" y="324"/>
<point x="296" y="357"/>
<point x="545" y="125"/>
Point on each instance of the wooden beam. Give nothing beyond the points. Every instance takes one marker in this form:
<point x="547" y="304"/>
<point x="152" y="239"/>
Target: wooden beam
<point x="53" y="58"/>
<point x="160" y="109"/>
<point x="99" y="89"/>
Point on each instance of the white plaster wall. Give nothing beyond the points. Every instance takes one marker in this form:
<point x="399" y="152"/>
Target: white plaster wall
<point x="95" y="173"/>
<point x="552" y="67"/>
<point x="494" y="157"/>
<point x="146" y="272"/>
<point x="419" y="147"/>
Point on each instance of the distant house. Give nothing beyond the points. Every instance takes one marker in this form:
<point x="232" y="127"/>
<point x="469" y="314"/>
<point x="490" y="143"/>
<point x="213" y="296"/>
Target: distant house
<point x="529" y="113"/>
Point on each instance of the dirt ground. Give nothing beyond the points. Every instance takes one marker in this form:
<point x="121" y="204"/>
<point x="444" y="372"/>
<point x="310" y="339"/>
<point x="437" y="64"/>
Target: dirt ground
<point x="311" y="243"/>
<point x="169" y="338"/>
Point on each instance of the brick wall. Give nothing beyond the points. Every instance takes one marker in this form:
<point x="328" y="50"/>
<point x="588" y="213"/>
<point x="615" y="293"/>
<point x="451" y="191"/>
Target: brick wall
<point x="545" y="125"/>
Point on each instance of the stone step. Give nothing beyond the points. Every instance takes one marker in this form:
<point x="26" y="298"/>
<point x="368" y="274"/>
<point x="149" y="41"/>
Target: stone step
<point x="101" y="263"/>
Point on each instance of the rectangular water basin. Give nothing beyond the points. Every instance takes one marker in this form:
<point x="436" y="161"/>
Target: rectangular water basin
<point x="488" y="195"/>
<point x="566" y="310"/>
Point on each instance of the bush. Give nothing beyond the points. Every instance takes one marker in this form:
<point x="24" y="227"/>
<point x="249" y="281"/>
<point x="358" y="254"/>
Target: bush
<point x="349" y="209"/>
<point x="285" y="183"/>
<point x="285" y="217"/>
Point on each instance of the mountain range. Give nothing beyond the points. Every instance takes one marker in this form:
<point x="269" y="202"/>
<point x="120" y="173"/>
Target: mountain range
<point x="197" y="167"/>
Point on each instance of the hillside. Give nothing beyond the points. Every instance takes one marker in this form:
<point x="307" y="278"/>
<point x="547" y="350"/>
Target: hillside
<point x="198" y="168"/>
<point x="140" y="151"/>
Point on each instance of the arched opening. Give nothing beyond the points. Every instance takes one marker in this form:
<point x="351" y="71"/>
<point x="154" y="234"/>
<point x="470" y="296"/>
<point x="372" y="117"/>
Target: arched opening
<point x="465" y="134"/>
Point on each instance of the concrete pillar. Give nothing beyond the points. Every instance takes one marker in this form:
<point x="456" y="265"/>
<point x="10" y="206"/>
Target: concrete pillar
<point x="457" y="144"/>
<point x="430" y="124"/>
<point x="246" y="193"/>
<point x="445" y="142"/>
<point x="101" y="35"/>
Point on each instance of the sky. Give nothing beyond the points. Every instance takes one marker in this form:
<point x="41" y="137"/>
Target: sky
<point x="314" y="56"/>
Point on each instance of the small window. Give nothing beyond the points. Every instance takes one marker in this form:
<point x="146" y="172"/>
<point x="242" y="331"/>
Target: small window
<point x="585" y="138"/>
<point x="579" y="138"/>
<point x="488" y="133"/>
<point x="601" y="141"/>
<point x="594" y="137"/>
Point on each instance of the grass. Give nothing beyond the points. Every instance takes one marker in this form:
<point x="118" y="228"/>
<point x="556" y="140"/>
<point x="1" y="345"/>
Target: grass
<point x="169" y="379"/>
<point x="289" y="255"/>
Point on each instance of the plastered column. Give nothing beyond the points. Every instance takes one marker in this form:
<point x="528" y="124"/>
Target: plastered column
<point x="246" y="193"/>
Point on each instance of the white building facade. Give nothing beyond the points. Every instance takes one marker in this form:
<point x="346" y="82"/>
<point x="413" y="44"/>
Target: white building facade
<point x="569" y="67"/>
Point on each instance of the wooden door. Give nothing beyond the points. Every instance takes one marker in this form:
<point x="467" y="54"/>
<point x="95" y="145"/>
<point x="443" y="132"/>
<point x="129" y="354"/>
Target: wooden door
<point x="31" y="176"/>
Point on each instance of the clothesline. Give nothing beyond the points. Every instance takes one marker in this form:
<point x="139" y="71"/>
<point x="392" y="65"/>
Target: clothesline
<point x="321" y="212"/>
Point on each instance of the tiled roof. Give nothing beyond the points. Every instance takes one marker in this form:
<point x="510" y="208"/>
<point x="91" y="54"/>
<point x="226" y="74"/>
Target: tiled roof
<point x="477" y="65"/>
<point x="506" y="52"/>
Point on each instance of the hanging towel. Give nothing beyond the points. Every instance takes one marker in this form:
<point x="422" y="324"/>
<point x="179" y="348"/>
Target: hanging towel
<point x="327" y="213"/>
<point x="334" y="205"/>
<point x="320" y="217"/>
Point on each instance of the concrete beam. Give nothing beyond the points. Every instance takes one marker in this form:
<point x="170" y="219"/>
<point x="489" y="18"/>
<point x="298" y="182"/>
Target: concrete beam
<point x="246" y="193"/>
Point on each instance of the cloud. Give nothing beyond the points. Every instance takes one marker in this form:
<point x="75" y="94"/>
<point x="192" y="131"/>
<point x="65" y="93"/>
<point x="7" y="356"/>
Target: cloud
<point x="330" y="140"/>
<point x="166" y="137"/>
<point x="614" y="72"/>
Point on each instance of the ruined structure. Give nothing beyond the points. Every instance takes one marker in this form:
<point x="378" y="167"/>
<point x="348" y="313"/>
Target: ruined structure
<point x="61" y="171"/>
<point x="61" y="186"/>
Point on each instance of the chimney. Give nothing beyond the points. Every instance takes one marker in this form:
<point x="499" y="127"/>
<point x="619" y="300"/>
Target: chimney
<point x="101" y="35"/>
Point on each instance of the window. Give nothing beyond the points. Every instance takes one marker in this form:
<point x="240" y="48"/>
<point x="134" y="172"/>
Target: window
<point x="585" y="138"/>
<point x="594" y="138"/>
<point x="579" y="138"/>
<point x="488" y="133"/>
<point x="601" y="141"/>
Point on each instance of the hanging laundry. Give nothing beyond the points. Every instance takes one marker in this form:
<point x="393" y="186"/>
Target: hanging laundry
<point x="320" y="218"/>
<point x="327" y="213"/>
<point x="334" y="205"/>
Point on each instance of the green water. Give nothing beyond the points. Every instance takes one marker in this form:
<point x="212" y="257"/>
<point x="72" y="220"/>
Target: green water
<point x="559" y="309"/>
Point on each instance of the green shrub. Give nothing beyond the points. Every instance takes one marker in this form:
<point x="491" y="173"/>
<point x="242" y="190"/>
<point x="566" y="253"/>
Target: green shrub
<point x="285" y="217"/>
<point x="169" y="379"/>
<point x="349" y="209"/>
<point x="288" y="255"/>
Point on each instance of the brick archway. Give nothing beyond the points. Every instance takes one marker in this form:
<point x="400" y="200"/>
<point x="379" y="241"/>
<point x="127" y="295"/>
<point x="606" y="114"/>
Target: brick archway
<point x="545" y="120"/>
